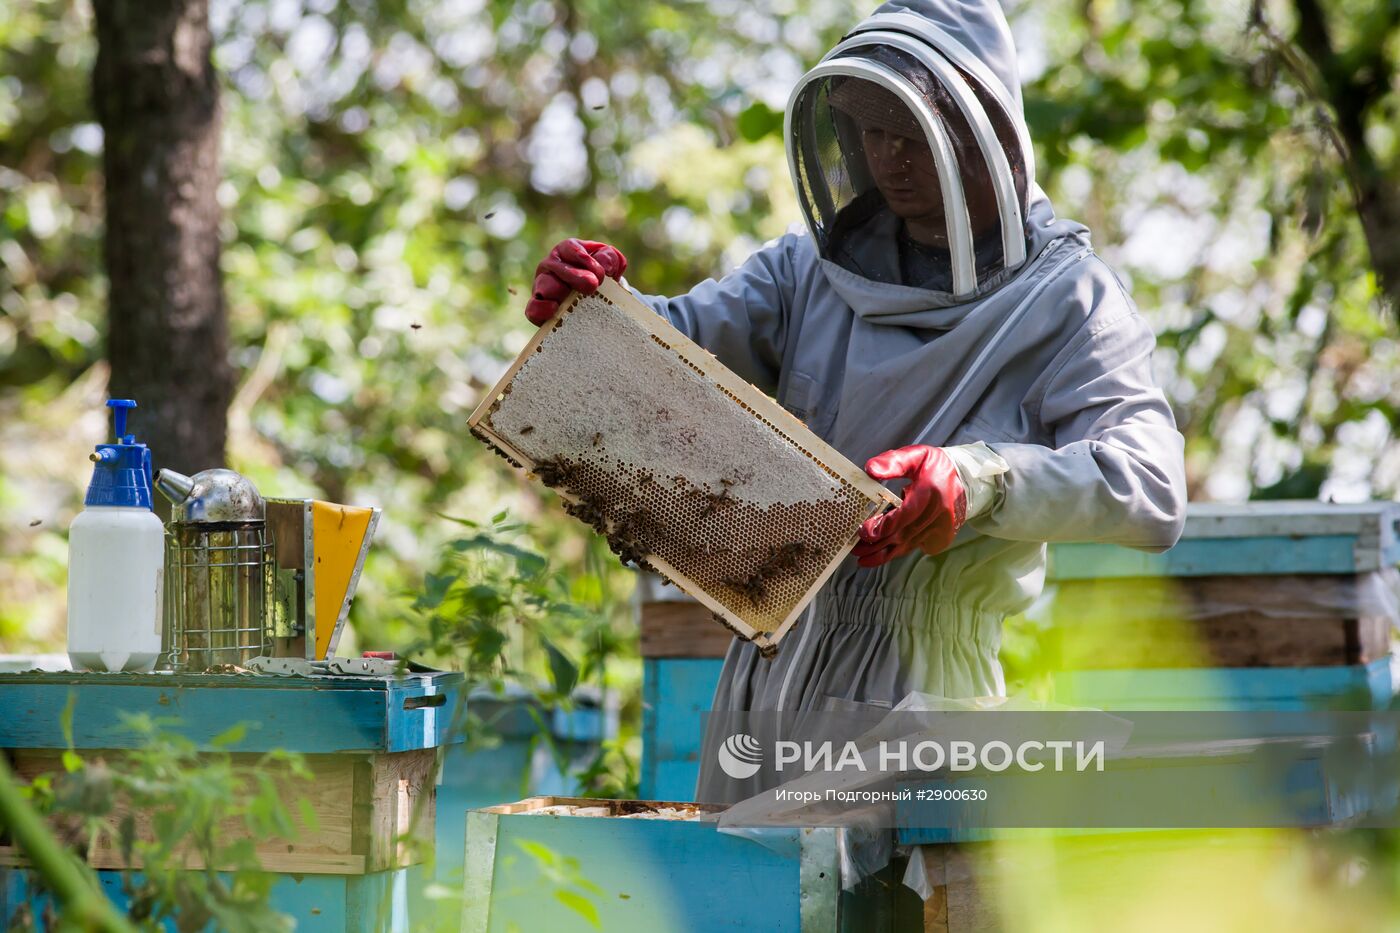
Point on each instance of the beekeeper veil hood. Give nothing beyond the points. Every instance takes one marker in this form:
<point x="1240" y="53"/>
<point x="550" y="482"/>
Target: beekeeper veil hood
<point x="910" y="133"/>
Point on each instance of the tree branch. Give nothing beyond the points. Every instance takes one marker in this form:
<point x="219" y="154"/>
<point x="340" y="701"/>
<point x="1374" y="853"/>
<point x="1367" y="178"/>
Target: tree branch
<point x="1347" y="83"/>
<point x="1305" y="72"/>
<point x="1349" y="88"/>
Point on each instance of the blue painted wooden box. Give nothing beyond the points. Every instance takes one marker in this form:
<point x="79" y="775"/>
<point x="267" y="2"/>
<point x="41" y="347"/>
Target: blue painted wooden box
<point x="1269" y="537"/>
<point x="1261" y="606"/>
<point x="311" y="715"/>
<point x="371" y="743"/>
<point x="1256" y="538"/>
<point x="1283" y="781"/>
<point x="534" y="872"/>
<point x="370" y="903"/>
<point x="676" y="692"/>
<point x="1282" y="689"/>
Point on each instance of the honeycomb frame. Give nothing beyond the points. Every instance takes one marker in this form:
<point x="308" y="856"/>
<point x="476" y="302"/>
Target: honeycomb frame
<point x="781" y="476"/>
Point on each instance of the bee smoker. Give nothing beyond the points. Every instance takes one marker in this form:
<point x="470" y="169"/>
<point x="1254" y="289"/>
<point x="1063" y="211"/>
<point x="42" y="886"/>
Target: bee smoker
<point x="249" y="577"/>
<point x="219" y="570"/>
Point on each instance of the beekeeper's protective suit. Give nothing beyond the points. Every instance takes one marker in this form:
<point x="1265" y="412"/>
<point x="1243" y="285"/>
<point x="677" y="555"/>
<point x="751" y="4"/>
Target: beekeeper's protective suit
<point x="935" y="301"/>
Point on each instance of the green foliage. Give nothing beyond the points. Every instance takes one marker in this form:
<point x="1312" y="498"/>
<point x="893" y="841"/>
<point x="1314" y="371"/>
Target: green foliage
<point x="498" y="606"/>
<point x="50" y="297"/>
<point x="171" y="803"/>
<point x="1211" y="179"/>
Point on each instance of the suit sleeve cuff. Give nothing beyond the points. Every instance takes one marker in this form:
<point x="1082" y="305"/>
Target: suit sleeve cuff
<point x="981" y="470"/>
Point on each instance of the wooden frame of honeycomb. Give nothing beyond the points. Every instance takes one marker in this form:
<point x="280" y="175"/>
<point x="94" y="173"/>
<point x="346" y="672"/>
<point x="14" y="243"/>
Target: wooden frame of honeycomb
<point x="686" y="468"/>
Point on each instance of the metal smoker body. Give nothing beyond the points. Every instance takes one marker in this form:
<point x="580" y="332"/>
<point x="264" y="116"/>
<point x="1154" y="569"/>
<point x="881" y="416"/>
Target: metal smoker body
<point x="249" y="577"/>
<point x="219" y="568"/>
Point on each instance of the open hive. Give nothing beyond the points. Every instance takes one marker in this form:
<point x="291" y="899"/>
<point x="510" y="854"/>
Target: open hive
<point x="684" y="466"/>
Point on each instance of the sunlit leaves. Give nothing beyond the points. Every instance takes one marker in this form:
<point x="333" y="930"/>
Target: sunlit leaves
<point x="1191" y="132"/>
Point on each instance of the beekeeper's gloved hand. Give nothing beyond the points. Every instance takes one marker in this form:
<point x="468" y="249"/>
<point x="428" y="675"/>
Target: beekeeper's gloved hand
<point x="947" y="486"/>
<point x="934" y="507"/>
<point x="577" y="265"/>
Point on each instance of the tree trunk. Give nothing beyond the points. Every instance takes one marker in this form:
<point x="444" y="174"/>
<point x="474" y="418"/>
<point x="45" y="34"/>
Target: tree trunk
<point x="1379" y="206"/>
<point x="157" y="96"/>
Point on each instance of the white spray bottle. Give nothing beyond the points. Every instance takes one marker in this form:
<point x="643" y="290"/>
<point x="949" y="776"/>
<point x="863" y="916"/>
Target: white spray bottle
<point x="116" y="561"/>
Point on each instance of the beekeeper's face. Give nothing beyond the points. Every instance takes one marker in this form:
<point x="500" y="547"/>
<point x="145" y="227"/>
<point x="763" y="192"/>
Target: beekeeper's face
<point x="903" y="169"/>
<point x="888" y="122"/>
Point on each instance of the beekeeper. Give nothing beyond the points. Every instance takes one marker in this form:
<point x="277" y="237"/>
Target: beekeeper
<point x="938" y="323"/>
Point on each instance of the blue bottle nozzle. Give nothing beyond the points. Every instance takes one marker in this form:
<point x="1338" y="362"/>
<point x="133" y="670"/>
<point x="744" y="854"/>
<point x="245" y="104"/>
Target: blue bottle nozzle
<point x="120" y="406"/>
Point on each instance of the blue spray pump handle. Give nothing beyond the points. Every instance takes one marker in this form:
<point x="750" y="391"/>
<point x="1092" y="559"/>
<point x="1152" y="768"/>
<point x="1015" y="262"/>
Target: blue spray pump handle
<point x="119" y="407"/>
<point x="122" y="472"/>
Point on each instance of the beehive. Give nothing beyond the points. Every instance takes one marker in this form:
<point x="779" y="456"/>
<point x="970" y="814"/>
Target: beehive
<point x="685" y="467"/>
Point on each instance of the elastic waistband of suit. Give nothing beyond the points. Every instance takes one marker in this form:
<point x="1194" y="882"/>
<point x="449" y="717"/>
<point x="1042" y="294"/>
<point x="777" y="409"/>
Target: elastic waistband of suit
<point x="919" y="612"/>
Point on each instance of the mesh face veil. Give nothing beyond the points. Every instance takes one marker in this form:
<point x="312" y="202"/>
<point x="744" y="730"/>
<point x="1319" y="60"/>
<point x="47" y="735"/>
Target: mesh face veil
<point x="909" y="162"/>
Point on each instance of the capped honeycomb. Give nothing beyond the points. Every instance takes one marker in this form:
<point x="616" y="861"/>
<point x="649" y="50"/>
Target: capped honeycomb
<point x="684" y="467"/>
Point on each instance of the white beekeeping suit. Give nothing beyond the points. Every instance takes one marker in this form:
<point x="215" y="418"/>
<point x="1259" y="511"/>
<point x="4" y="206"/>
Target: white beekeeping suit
<point x="941" y="306"/>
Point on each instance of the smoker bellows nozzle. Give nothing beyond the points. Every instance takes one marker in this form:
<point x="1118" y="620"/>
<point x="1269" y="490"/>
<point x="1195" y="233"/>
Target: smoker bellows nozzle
<point x="684" y="466"/>
<point x="211" y="496"/>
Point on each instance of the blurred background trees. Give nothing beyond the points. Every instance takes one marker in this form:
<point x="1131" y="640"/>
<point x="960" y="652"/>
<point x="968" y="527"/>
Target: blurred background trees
<point x="1217" y="152"/>
<point x="393" y="169"/>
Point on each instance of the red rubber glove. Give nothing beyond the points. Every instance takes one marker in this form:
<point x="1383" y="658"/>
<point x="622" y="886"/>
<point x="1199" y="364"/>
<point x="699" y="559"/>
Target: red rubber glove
<point x="573" y="265"/>
<point x="934" y="507"/>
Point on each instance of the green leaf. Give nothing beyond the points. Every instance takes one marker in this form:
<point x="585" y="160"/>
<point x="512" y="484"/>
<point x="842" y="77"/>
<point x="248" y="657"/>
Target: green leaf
<point x="126" y="836"/>
<point x="230" y="736"/>
<point x="581" y="906"/>
<point x="308" y="815"/>
<point x="65" y="718"/>
<point x="484" y="598"/>
<point x="758" y="120"/>
<point x="530" y="564"/>
<point x="72" y="761"/>
<point x="586" y="588"/>
<point x="435" y="587"/>
<point x="487" y="644"/>
<point x="562" y="670"/>
<point x="242" y="852"/>
<point x="542" y="854"/>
